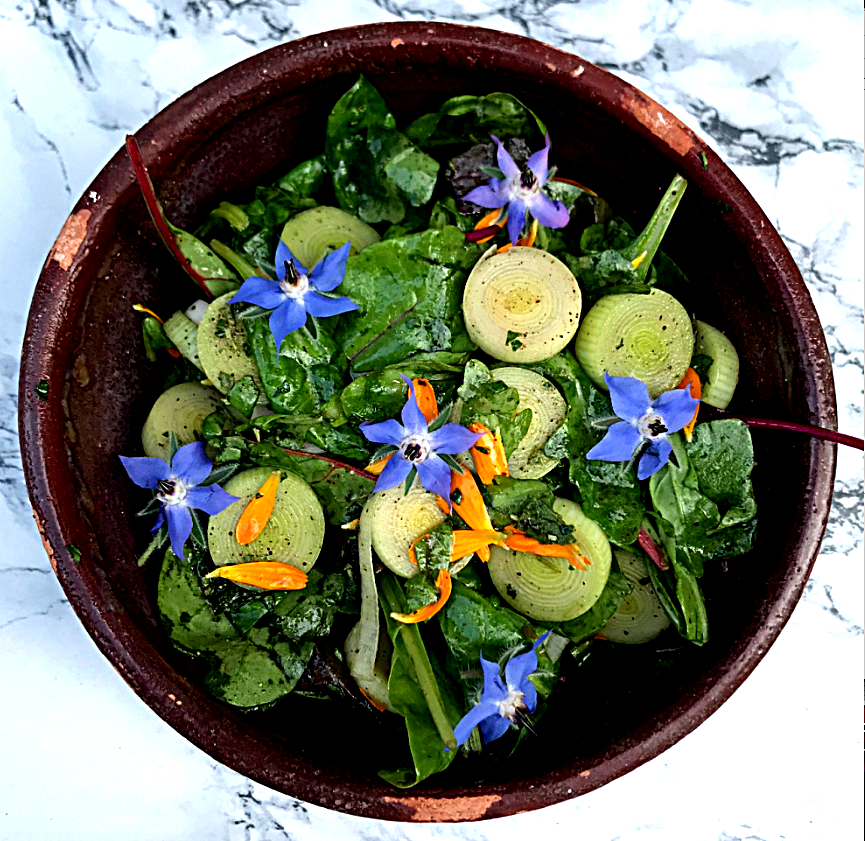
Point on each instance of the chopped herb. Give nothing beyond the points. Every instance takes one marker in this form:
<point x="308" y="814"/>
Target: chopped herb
<point x="74" y="553"/>
<point x="221" y="326"/>
<point x="42" y="389"/>
<point x="512" y="591"/>
<point x="513" y="340"/>
<point x="701" y="363"/>
<point x="704" y="161"/>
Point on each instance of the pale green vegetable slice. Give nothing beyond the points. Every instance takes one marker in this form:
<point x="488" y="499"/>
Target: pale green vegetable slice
<point x="640" y="617"/>
<point x="364" y="646"/>
<point x="398" y="519"/>
<point x="222" y="347"/>
<point x="649" y="337"/>
<point x="724" y="372"/>
<point x="313" y="233"/>
<point x="294" y="534"/>
<point x="549" y="409"/>
<point x="522" y="305"/>
<point x="181" y="409"/>
<point x="183" y="331"/>
<point x="551" y="589"/>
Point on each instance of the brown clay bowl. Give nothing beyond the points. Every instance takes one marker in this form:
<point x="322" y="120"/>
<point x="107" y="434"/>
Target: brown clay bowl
<point x="242" y="128"/>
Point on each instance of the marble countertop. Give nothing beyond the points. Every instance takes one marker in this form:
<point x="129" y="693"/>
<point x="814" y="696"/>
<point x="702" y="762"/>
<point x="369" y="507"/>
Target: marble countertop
<point x="774" y="86"/>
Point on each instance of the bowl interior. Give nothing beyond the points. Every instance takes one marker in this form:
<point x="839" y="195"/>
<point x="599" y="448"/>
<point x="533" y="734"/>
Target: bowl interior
<point x="245" y="128"/>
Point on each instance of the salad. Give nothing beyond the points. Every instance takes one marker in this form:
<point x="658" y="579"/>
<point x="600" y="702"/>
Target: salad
<point x="433" y="433"/>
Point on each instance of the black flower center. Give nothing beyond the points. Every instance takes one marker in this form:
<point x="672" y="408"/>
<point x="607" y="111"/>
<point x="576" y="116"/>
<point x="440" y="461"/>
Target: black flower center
<point x="292" y="275"/>
<point x="656" y="427"/>
<point x="166" y="486"/>
<point x="527" y="179"/>
<point x="413" y="452"/>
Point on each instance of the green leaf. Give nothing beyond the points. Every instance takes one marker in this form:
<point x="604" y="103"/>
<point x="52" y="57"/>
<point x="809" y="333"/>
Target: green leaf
<point x="471" y="119"/>
<point x="409" y="292"/>
<point x="305" y="180"/>
<point x="301" y="377"/>
<point x="376" y="170"/>
<point x="243" y="395"/>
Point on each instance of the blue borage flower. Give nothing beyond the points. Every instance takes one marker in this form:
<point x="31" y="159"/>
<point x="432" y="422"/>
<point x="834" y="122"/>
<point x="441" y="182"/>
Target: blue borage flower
<point x="177" y="490"/>
<point x="522" y="192"/>
<point x="418" y="447"/>
<point x="503" y="702"/>
<point x="297" y="291"/>
<point x="644" y="424"/>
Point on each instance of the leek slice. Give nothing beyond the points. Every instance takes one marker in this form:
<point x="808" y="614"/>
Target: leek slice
<point x="549" y="409"/>
<point x="550" y="589"/>
<point x="522" y="305"/>
<point x="649" y="337"/>
<point x="222" y="347"/>
<point x="312" y="234"/>
<point x="640" y="617"/>
<point x="294" y="534"/>
<point x="181" y="410"/>
<point x="183" y="331"/>
<point x="364" y="645"/>
<point x="397" y="520"/>
<point x="723" y="374"/>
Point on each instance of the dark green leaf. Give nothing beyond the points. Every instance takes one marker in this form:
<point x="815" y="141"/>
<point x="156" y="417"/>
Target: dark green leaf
<point x="243" y="395"/>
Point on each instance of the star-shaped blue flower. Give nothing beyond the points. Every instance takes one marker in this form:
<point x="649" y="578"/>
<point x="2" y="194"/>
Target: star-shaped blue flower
<point x="177" y="490"/>
<point x="418" y="447"/>
<point x="522" y="192"/>
<point x="644" y="424"/>
<point x="502" y="702"/>
<point x="297" y="291"/>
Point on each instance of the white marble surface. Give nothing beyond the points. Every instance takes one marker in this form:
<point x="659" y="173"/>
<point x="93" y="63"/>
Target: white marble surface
<point x="773" y="84"/>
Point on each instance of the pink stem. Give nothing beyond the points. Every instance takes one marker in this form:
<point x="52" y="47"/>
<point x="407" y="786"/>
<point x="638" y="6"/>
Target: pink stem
<point x="332" y="461"/>
<point x="652" y="550"/>
<point x="482" y="233"/>
<point x="142" y="176"/>
<point x="806" y="429"/>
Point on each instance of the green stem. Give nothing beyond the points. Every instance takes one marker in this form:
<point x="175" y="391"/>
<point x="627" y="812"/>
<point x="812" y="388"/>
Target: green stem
<point x="241" y="266"/>
<point x="650" y="239"/>
<point x="393" y="601"/>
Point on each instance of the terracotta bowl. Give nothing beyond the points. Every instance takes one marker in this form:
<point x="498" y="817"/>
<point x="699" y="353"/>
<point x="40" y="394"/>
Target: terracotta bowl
<point x="242" y="128"/>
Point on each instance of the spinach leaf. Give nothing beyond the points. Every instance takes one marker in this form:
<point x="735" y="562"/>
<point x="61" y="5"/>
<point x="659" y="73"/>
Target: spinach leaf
<point x="605" y="273"/>
<point x="493" y="404"/>
<point x="376" y="170"/>
<point x="528" y="505"/>
<point x="471" y="119"/>
<point x="610" y="492"/>
<point x="301" y="377"/>
<point x="375" y="397"/>
<point x="242" y="673"/>
<point x="409" y="291"/>
<point x="705" y="500"/>
<point x="341" y="488"/>
<point x="304" y="181"/>
<point x="292" y="431"/>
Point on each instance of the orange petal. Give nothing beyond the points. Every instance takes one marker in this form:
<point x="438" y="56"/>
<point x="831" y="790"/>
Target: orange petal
<point x="257" y="512"/>
<point x="426" y="399"/>
<point x="521" y="542"/>
<point x="377" y="466"/>
<point x="269" y="575"/>
<point x="468" y="502"/>
<point x="693" y="378"/>
<point x="444" y="584"/>
<point x="488" y="454"/>
<point x="529" y="241"/>
<point x="140" y="308"/>
<point x="467" y="541"/>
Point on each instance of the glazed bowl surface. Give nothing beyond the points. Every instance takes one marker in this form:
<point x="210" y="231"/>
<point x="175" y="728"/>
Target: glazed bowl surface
<point x="246" y="126"/>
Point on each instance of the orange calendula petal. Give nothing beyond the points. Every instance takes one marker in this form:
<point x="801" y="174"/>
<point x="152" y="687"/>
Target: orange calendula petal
<point x="488" y="454"/>
<point x="691" y="377"/>
<point x="426" y="399"/>
<point x="443" y="582"/>
<point x="257" y="512"/>
<point x="377" y="466"/>
<point x="519" y="541"/>
<point x="467" y="541"/>
<point x="141" y="308"/>
<point x="467" y="501"/>
<point x="269" y="575"/>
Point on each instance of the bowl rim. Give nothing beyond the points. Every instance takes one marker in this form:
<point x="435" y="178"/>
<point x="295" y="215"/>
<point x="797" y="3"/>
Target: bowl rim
<point x="42" y="465"/>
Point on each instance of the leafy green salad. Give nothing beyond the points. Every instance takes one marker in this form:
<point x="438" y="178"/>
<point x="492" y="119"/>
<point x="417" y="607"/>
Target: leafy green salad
<point x="432" y="433"/>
